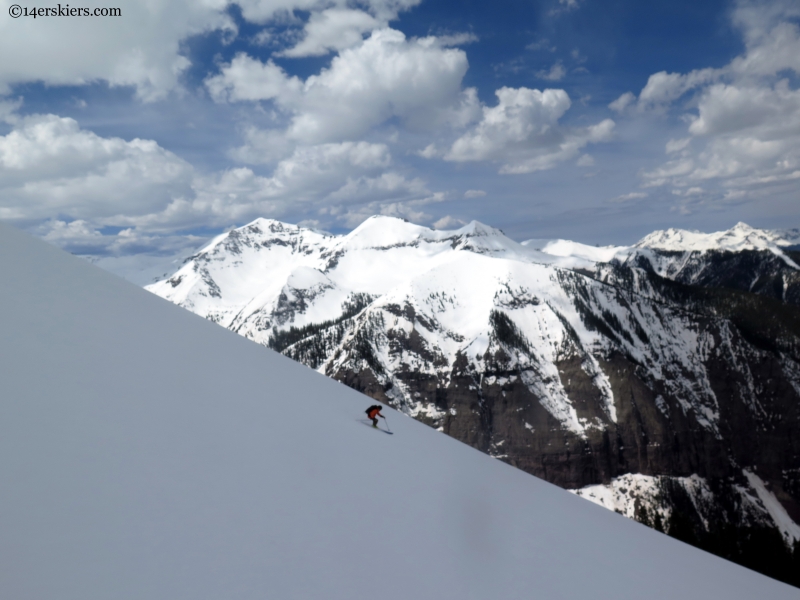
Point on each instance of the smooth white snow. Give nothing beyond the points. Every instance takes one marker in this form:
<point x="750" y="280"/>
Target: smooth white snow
<point x="149" y="454"/>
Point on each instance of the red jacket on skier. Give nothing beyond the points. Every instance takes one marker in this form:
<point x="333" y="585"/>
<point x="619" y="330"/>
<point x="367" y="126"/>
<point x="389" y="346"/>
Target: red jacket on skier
<point x="373" y="412"/>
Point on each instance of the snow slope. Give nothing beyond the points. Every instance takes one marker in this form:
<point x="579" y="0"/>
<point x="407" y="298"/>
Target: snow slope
<point x="567" y="248"/>
<point x="148" y="453"/>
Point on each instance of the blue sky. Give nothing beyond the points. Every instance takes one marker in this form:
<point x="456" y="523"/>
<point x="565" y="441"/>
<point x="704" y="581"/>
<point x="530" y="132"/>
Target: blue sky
<point x="135" y="138"/>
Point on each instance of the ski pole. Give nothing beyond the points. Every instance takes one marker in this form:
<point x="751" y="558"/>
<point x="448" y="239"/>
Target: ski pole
<point x="387" y="424"/>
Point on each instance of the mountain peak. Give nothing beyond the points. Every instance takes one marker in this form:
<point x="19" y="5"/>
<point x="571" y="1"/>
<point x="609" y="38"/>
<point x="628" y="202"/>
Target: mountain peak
<point x="381" y="231"/>
<point x="476" y="228"/>
<point x="739" y="237"/>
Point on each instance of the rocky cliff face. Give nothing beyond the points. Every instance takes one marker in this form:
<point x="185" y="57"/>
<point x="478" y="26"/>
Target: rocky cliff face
<point x="679" y="364"/>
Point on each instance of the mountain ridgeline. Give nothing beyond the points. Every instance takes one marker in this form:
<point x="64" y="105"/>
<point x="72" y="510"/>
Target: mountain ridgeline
<point x="660" y="380"/>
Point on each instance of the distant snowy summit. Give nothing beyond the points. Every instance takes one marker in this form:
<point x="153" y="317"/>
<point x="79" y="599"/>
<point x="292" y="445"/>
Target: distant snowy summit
<point x="740" y="237"/>
<point x="277" y="269"/>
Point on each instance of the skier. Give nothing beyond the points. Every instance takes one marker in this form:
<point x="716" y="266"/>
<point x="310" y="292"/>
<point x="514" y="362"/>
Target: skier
<point x="373" y="412"/>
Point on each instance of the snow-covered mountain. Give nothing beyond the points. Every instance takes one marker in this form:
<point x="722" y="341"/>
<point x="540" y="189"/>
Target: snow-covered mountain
<point x="580" y="365"/>
<point x="740" y="237"/>
<point x="150" y="454"/>
<point x="743" y="258"/>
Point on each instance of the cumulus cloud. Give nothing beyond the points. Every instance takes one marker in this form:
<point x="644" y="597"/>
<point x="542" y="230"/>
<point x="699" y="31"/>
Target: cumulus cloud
<point x="522" y="132"/>
<point x="763" y="112"/>
<point x="520" y="115"/>
<point x="141" y="48"/>
<point x="621" y="103"/>
<point x="771" y="37"/>
<point x="385" y="76"/>
<point x="262" y="11"/>
<point x="333" y="29"/>
<point x="744" y="130"/>
<point x="246" y="78"/>
<point x="50" y="166"/>
<point x="474" y="194"/>
<point x="664" y="88"/>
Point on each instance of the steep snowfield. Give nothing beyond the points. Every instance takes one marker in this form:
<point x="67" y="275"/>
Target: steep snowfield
<point x="148" y="453"/>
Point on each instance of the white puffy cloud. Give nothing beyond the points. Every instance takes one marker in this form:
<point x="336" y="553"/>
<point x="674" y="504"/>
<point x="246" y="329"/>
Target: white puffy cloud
<point x="522" y="132"/>
<point x="744" y="131"/>
<point x="771" y="37"/>
<point x="385" y="76"/>
<point x="763" y="112"/>
<point x="333" y="29"/>
<point x="246" y="78"/>
<point x="315" y="161"/>
<point x="262" y="11"/>
<point x="664" y="88"/>
<point x="522" y="115"/>
<point x="621" y="103"/>
<point x="140" y="48"/>
<point x="297" y="186"/>
<point x="48" y="165"/>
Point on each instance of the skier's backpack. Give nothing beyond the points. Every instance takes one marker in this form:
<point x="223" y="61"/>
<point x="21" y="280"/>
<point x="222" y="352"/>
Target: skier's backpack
<point x="373" y="407"/>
